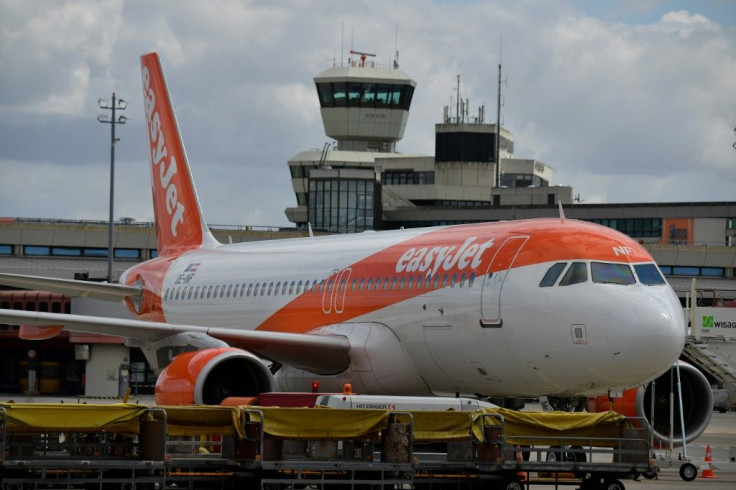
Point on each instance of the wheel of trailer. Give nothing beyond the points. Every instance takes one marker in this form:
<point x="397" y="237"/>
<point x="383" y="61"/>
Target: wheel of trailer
<point x="649" y="475"/>
<point x="512" y="484"/>
<point x="555" y="454"/>
<point x="613" y="485"/>
<point x="688" y="472"/>
<point x="577" y="454"/>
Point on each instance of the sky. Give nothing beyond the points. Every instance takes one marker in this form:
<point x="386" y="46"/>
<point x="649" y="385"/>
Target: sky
<point x="629" y="101"/>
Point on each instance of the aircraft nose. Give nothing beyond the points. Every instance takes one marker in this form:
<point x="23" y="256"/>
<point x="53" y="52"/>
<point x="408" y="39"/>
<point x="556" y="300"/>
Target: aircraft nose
<point x="647" y="335"/>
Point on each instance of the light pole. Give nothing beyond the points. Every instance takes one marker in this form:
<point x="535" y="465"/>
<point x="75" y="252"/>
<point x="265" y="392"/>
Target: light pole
<point x="118" y="105"/>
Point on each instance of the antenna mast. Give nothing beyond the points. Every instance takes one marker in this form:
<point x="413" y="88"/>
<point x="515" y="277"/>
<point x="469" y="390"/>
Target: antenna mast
<point x="498" y="131"/>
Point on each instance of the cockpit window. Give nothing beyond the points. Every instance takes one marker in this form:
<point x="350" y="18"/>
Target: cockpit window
<point x="577" y="273"/>
<point x="607" y="273"/>
<point x="550" y="278"/>
<point x="649" y="274"/>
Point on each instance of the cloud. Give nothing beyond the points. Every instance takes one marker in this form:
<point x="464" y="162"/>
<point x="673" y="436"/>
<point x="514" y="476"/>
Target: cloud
<point x="628" y="104"/>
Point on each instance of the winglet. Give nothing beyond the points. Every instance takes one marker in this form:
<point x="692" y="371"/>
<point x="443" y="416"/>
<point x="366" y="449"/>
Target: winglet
<point x="562" y="213"/>
<point x="179" y="222"/>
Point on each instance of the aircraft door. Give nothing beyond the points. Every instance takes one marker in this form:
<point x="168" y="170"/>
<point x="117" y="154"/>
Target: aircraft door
<point x="494" y="279"/>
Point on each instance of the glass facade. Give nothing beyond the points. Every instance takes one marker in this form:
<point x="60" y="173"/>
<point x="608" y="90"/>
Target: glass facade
<point x="634" y="227"/>
<point x="342" y="205"/>
<point x="357" y="94"/>
<point x="522" y="180"/>
<point x="407" y="177"/>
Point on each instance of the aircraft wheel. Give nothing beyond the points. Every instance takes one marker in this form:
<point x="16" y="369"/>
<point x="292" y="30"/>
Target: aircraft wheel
<point x="688" y="472"/>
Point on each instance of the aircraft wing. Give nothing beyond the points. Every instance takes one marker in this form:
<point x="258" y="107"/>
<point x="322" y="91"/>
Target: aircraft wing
<point x="318" y="353"/>
<point x="97" y="290"/>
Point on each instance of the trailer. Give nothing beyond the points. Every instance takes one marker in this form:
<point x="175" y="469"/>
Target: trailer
<point x="130" y="446"/>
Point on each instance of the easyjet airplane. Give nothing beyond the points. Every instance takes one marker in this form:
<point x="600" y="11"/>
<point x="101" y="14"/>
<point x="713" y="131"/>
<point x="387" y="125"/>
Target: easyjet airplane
<point x="510" y="309"/>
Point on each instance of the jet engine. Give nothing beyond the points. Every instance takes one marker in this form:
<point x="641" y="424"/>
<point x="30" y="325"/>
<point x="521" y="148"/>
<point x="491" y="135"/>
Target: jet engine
<point x="697" y="398"/>
<point x="208" y="376"/>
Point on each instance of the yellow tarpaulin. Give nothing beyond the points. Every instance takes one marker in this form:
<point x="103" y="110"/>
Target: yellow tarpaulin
<point x="39" y="417"/>
<point x="442" y="426"/>
<point x="548" y="427"/>
<point x="310" y="423"/>
<point x="195" y="420"/>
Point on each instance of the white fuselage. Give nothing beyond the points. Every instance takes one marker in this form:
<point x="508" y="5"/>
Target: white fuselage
<point x="500" y="334"/>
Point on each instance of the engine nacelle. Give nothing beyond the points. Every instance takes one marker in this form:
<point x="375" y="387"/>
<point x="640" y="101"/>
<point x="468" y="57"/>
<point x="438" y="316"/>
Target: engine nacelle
<point x="208" y="376"/>
<point x="697" y="398"/>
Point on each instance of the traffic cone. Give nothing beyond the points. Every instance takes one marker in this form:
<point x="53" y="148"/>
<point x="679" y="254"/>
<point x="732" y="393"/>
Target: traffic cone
<point x="708" y="472"/>
<point x="519" y="460"/>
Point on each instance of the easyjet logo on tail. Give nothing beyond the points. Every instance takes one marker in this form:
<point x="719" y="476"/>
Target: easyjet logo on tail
<point x="160" y="158"/>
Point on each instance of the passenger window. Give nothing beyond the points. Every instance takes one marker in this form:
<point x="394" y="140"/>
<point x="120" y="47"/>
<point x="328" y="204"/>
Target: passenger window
<point x="649" y="274"/>
<point x="454" y="280"/>
<point x="428" y="281"/>
<point x="217" y="290"/>
<point x="552" y="274"/>
<point x="189" y="293"/>
<point x="445" y="280"/>
<point x="270" y="288"/>
<point x="209" y="292"/>
<point x="378" y="283"/>
<point x="263" y="289"/>
<point x="436" y="281"/>
<point x="471" y="280"/>
<point x="242" y="290"/>
<point x="401" y="283"/>
<point x="229" y="290"/>
<point x="361" y="284"/>
<point x="462" y="280"/>
<point x="291" y="287"/>
<point x="222" y="291"/>
<point x="369" y="285"/>
<point x="393" y="284"/>
<point x="410" y="283"/>
<point x="607" y="273"/>
<point x="283" y="288"/>
<point x="275" y="291"/>
<point x="385" y="283"/>
<point x="250" y="287"/>
<point x="577" y="273"/>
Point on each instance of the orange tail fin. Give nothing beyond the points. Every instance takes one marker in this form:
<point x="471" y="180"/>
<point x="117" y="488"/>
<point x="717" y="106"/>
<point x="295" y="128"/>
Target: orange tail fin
<point x="179" y="223"/>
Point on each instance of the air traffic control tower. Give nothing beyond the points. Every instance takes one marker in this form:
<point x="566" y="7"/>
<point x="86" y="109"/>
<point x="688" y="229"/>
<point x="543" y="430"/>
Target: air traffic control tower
<point x="360" y="182"/>
<point x="364" y="107"/>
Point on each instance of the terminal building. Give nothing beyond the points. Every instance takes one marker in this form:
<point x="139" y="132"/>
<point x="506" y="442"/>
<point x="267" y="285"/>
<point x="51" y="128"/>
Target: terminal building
<point x="357" y="183"/>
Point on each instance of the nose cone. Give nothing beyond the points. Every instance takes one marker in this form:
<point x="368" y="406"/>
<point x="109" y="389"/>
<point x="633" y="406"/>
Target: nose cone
<point x="646" y="335"/>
